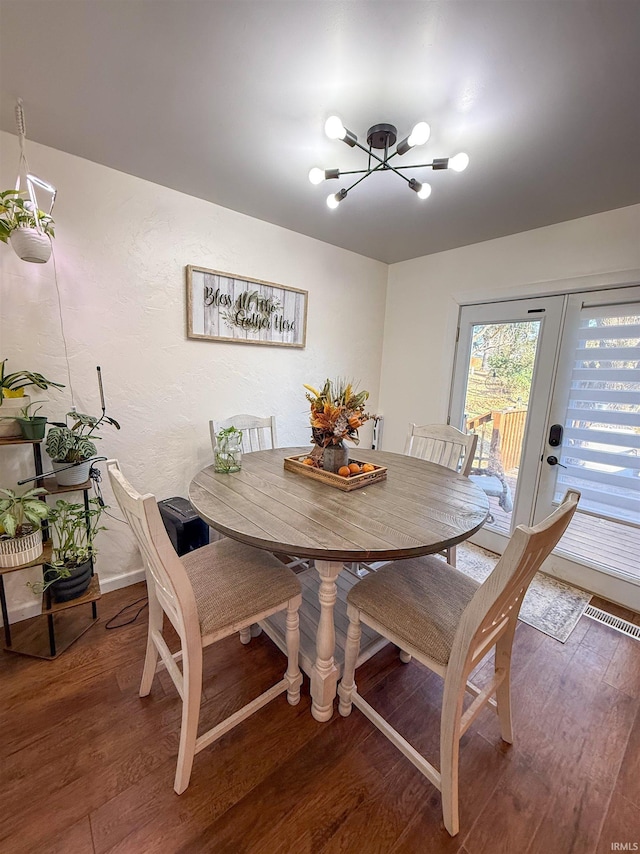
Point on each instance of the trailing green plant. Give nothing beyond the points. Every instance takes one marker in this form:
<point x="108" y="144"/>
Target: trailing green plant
<point x="223" y="436"/>
<point x="228" y="451"/>
<point x="73" y="530"/>
<point x="22" y="514"/>
<point x="75" y="444"/>
<point x="22" y="379"/>
<point x="17" y="211"/>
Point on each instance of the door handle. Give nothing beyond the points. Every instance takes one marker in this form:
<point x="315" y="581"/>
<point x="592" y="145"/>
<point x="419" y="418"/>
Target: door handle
<point x="554" y="461"/>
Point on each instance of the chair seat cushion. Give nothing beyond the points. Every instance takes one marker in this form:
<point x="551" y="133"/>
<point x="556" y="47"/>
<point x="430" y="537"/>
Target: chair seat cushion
<point x="419" y="600"/>
<point x="233" y="582"/>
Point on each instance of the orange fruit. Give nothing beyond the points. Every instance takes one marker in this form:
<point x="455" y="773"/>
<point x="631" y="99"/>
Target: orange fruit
<point x="307" y="462"/>
<point x="344" y="471"/>
<point x="368" y="467"/>
<point x="354" y="468"/>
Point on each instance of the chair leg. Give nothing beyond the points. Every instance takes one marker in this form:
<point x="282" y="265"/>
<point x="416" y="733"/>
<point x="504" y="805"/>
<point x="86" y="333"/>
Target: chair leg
<point x="451" y="555"/>
<point x="245" y="635"/>
<point x="293" y="675"/>
<point x="156" y="618"/>
<point x="503" y="693"/>
<point x="351" y="651"/>
<point x="192" y="676"/>
<point x="449" y="754"/>
<point x="405" y="657"/>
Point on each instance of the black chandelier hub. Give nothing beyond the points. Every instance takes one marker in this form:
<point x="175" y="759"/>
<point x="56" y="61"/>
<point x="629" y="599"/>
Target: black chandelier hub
<point x="382" y="136"/>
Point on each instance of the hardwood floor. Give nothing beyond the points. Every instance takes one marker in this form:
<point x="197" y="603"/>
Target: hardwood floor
<point x="86" y="766"/>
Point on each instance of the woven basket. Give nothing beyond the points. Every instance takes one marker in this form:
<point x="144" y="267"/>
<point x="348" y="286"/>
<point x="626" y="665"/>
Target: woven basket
<point x="19" y="550"/>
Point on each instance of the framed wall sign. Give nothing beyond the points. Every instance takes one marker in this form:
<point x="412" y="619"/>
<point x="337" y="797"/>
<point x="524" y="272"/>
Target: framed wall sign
<point x="224" y="307"/>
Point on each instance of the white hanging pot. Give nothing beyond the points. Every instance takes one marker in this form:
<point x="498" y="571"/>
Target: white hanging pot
<point x="29" y="244"/>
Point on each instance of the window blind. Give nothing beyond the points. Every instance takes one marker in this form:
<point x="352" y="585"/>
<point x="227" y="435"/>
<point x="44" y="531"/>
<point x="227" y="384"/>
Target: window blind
<point x="601" y="446"/>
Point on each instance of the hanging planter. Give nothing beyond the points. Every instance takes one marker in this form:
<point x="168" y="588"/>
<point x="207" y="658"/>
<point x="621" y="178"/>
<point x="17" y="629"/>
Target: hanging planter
<point x="32" y="245"/>
<point x="27" y="229"/>
<point x="22" y="224"/>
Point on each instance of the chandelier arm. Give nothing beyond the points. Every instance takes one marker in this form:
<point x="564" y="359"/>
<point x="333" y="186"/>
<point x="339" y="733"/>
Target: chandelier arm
<point x="366" y="174"/>
<point x="416" y="166"/>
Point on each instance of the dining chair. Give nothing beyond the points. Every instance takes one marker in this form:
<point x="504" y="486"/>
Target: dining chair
<point x="446" y="446"/>
<point x="449" y="623"/>
<point x="258" y="434"/>
<point x="207" y="595"/>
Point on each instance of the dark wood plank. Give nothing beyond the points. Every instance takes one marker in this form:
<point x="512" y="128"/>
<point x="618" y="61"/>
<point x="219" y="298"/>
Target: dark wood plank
<point x="75" y="733"/>
<point x="622" y="824"/>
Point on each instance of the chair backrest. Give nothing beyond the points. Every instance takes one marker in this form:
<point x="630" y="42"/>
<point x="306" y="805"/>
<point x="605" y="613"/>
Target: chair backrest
<point x="498" y="599"/>
<point x="442" y="444"/>
<point x="258" y="434"/>
<point x="163" y="566"/>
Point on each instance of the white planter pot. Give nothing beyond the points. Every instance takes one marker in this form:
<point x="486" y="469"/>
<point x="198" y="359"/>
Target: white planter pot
<point x="72" y="476"/>
<point x="29" y="244"/>
<point x="11" y="406"/>
<point x="19" y="550"/>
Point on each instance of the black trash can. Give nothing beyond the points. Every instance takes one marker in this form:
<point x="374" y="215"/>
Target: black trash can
<point x="187" y="531"/>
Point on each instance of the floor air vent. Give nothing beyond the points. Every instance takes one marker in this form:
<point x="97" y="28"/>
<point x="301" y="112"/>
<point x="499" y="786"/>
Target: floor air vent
<point x="616" y="623"/>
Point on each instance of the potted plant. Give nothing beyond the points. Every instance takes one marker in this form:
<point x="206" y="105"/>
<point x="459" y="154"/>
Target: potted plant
<point x="228" y="450"/>
<point x="73" y="529"/>
<point x="337" y="412"/>
<point x="71" y="448"/>
<point x="13" y="398"/>
<point x="20" y="520"/>
<point x="27" y="229"/>
<point x="32" y="424"/>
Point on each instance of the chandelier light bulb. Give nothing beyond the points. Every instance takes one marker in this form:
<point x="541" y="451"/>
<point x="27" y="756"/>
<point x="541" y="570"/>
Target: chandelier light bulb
<point x="459" y="163"/>
<point x="333" y="201"/>
<point x="419" y="135"/>
<point x="316" y="175"/>
<point x="334" y="128"/>
<point x="425" y="191"/>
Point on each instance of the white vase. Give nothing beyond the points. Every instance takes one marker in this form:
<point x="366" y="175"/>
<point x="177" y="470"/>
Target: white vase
<point x="18" y="550"/>
<point x="29" y="244"/>
<point x="72" y="476"/>
<point x="11" y="406"/>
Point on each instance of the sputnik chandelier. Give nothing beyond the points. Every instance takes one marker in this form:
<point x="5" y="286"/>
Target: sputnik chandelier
<point x="383" y="137"/>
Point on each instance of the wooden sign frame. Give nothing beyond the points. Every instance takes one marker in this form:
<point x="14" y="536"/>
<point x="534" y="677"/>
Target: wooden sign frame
<point x="241" y="310"/>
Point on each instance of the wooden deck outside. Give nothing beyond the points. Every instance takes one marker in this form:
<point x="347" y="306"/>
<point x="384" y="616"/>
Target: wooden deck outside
<point x="610" y="544"/>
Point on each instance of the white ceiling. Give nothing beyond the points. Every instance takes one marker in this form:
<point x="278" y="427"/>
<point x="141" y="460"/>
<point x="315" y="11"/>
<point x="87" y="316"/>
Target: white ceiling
<point x="227" y="101"/>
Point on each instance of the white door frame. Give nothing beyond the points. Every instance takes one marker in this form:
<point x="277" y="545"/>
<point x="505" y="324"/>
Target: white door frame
<point x="608" y="584"/>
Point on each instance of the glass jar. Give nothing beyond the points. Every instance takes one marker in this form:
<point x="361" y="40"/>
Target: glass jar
<point x="228" y="452"/>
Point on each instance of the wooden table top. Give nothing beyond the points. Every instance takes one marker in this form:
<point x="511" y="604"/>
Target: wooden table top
<point x="421" y="508"/>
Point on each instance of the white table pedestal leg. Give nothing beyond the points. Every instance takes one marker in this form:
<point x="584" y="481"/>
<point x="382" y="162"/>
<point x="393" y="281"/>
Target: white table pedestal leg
<point x="324" y="674"/>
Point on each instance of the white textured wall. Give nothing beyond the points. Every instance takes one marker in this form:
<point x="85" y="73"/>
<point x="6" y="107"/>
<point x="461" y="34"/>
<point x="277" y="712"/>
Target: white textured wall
<point x="121" y="248"/>
<point x="424" y="295"/>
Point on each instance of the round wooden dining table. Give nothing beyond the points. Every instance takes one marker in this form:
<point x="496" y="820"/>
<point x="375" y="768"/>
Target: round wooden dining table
<point x="420" y="508"/>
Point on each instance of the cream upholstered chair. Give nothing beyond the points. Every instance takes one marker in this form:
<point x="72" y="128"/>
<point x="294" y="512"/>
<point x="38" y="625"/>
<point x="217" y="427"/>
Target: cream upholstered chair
<point x="258" y="434"/>
<point x="207" y="595"/>
<point x="445" y="445"/>
<point x="449" y="623"/>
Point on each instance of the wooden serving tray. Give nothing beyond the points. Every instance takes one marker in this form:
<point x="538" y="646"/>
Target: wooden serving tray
<point x="346" y="484"/>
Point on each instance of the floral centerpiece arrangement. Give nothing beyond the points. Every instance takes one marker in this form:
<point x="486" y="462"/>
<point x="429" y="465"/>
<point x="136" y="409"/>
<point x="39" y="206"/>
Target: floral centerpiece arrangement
<point x="337" y="412"/>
